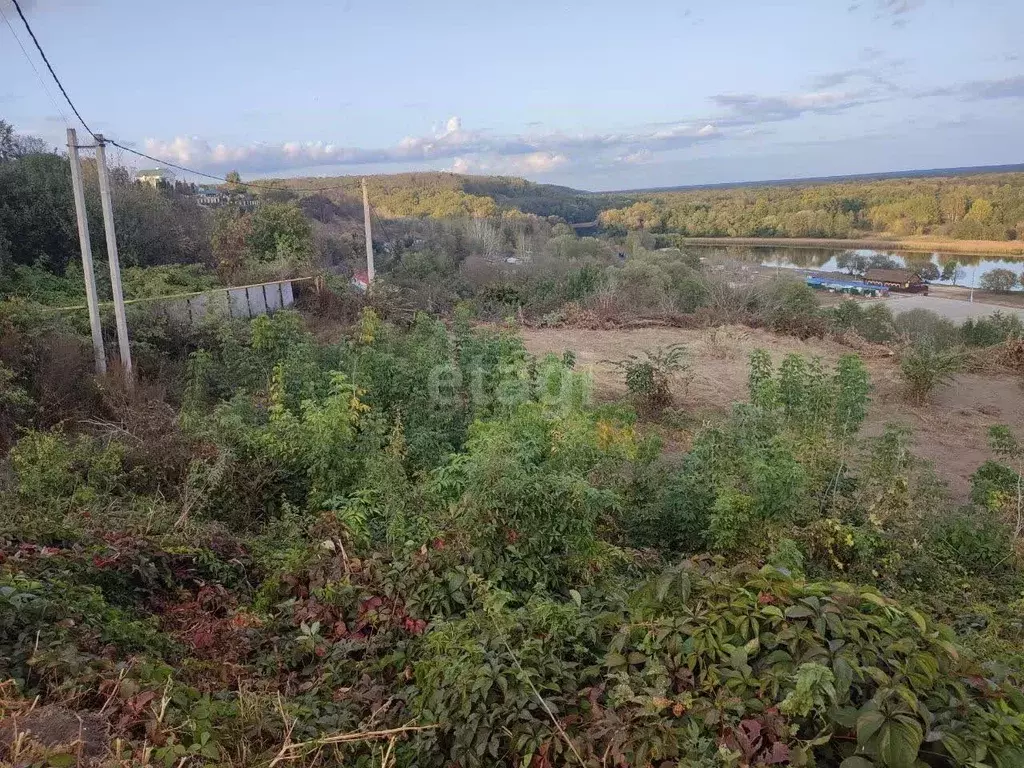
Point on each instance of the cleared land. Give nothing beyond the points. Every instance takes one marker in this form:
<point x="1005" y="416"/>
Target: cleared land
<point x="950" y="431"/>
<point x="953" y="309"/>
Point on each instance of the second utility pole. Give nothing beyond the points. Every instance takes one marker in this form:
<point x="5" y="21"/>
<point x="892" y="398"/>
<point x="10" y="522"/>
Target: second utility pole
<point x="369" y="237"/>
<point x="83" y="238"/>
<point x="113" y="259"/>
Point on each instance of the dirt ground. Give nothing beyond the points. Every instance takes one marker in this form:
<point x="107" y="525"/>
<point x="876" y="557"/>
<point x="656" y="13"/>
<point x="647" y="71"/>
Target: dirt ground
<point x="950" y="431"/>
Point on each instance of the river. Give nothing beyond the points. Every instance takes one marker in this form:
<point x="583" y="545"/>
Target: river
<point x="972" y="268"/>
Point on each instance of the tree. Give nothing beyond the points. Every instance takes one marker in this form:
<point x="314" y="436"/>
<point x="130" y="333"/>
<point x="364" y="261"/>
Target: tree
<point x="926" y="270"/>
<point x="950" y="271"/>
<point x="854" y="263"/>
<point x="231" y="233"/>
<point x="234" y="181"/>
<point x="13" y="146"/>
<point x="882" y="261"/>
<point x="1001" y="280"/>
<point x="36" y="211"/>
<point x="280" y="230"/>
<point x="981" y="210"/>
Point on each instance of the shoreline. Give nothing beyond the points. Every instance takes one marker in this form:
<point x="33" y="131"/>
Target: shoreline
<point x="1009" y="249"/>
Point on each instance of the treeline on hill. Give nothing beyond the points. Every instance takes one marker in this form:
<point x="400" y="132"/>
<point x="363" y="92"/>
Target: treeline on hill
<point x="979" y="207"/>
<point x="422" y="546"/>
<point x="451" y="195"/>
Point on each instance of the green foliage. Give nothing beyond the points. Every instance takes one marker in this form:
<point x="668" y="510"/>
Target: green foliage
<point x="992" y="329"/>
<point x="924" y="366"/>
<point x="768" y="464"/>
<point x="788" y="306"/>
<point x="984" y="207"/>
<point x="649" y="379"/>
<point x="51" y="468"/>
<point x="428" y="527"/>
<point x="280" y="232"/>
<point x="999" y="280"/>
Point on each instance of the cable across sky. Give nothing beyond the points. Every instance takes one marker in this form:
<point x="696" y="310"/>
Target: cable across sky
<point x="119" y="145"/>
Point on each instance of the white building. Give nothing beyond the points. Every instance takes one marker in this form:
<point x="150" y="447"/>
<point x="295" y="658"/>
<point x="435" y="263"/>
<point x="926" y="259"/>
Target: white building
<point x="154" y="176"/>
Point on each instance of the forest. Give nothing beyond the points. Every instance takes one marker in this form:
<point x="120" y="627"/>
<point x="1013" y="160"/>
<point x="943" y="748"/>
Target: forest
<point x="978" y="207"/>
<point x="378" y="531"/>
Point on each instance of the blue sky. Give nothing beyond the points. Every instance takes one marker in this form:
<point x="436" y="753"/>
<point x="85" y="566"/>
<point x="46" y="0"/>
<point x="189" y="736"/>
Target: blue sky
<point x="597" y="95"/>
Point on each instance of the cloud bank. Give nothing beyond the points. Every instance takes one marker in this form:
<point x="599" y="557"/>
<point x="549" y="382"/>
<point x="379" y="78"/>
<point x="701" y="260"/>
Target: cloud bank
<point x="453" y="146"/>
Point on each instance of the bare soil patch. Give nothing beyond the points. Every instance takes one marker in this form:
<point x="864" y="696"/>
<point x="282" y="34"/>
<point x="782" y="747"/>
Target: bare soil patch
<point x="950" y="431"/>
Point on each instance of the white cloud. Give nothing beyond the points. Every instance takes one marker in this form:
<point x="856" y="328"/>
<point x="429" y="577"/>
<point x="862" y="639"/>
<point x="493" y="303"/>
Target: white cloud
<point x="640" y="157"/>
<point x="532" y="163"/>
<point x="467" y="150"/>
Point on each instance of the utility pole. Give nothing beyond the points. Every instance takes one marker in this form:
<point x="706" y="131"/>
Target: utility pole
<point x="369" y="237"/>
<point x="974" y="279"/>
<point x="83" y="239"/>
<point x="113" y="259"/>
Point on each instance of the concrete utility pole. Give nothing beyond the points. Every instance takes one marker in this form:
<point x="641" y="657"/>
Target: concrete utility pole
<point x="369" y="237"/>
<point x="112" y="257"/>
<point x="83" y="238"/>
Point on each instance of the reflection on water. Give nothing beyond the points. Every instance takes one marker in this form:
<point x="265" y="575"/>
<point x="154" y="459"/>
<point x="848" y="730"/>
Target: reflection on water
<point x="971" y="268"/>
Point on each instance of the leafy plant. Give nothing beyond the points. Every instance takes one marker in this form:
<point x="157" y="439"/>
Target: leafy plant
<point x="649" y="378"/>
<point x="924" y="367"/>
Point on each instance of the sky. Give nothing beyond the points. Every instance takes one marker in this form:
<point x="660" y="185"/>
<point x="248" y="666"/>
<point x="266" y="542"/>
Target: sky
<point x="596" y="95"/>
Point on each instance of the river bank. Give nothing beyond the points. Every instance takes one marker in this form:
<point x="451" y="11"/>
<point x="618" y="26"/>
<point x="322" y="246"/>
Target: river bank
<point x="1006" y="249"/>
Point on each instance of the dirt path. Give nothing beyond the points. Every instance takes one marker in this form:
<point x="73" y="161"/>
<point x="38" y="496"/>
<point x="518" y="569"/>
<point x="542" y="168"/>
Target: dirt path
<point x="950" y="431"/>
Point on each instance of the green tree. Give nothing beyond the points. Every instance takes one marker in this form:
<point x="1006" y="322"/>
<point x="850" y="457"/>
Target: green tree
<point x="36" y="214"/>
<point x="1001" y="280"/>
<point x="926" y="270"/>
<point x="280" y="231"/>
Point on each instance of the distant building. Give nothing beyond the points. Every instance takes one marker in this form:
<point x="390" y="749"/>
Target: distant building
<point x="904" y="280"/>
<point x="154" y="176"/>
<point x="209" y="196"/>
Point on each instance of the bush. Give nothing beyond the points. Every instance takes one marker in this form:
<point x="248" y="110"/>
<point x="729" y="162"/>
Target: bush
<point x="991" y="330"/>
<point x="922" y="326"/>
<point x="1000" y="280"/>
<point x="923" y="367"/>
<point x="649" y="380"/>
<point x="875" y="322"/>
<point x="976" y="539"/>
<point x="788" y="306"/>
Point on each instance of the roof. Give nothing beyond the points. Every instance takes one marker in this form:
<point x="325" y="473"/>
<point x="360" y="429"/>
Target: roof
<point x="892" y="276"/>
<point x="155" y="172"/>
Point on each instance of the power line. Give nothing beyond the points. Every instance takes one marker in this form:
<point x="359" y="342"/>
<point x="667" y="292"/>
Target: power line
<point x="135" y="151"/>
<point x="35" y="69"/>
<point x="50" y="67"/>
<point x="221" y="178"/>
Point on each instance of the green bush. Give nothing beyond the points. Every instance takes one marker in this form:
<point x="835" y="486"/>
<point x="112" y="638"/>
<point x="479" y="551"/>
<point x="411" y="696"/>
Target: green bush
<point x="924" y="367"/>
<point x="649" y="379"/>
<point x="993" y="329"/>
<point x="55" y="468"/>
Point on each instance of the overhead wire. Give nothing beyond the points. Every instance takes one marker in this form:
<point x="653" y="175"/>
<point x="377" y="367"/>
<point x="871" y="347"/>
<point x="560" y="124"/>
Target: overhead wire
<point x="46" y="61"/>
<point x="131" y="150"/>
<point x="39" y="75"/>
